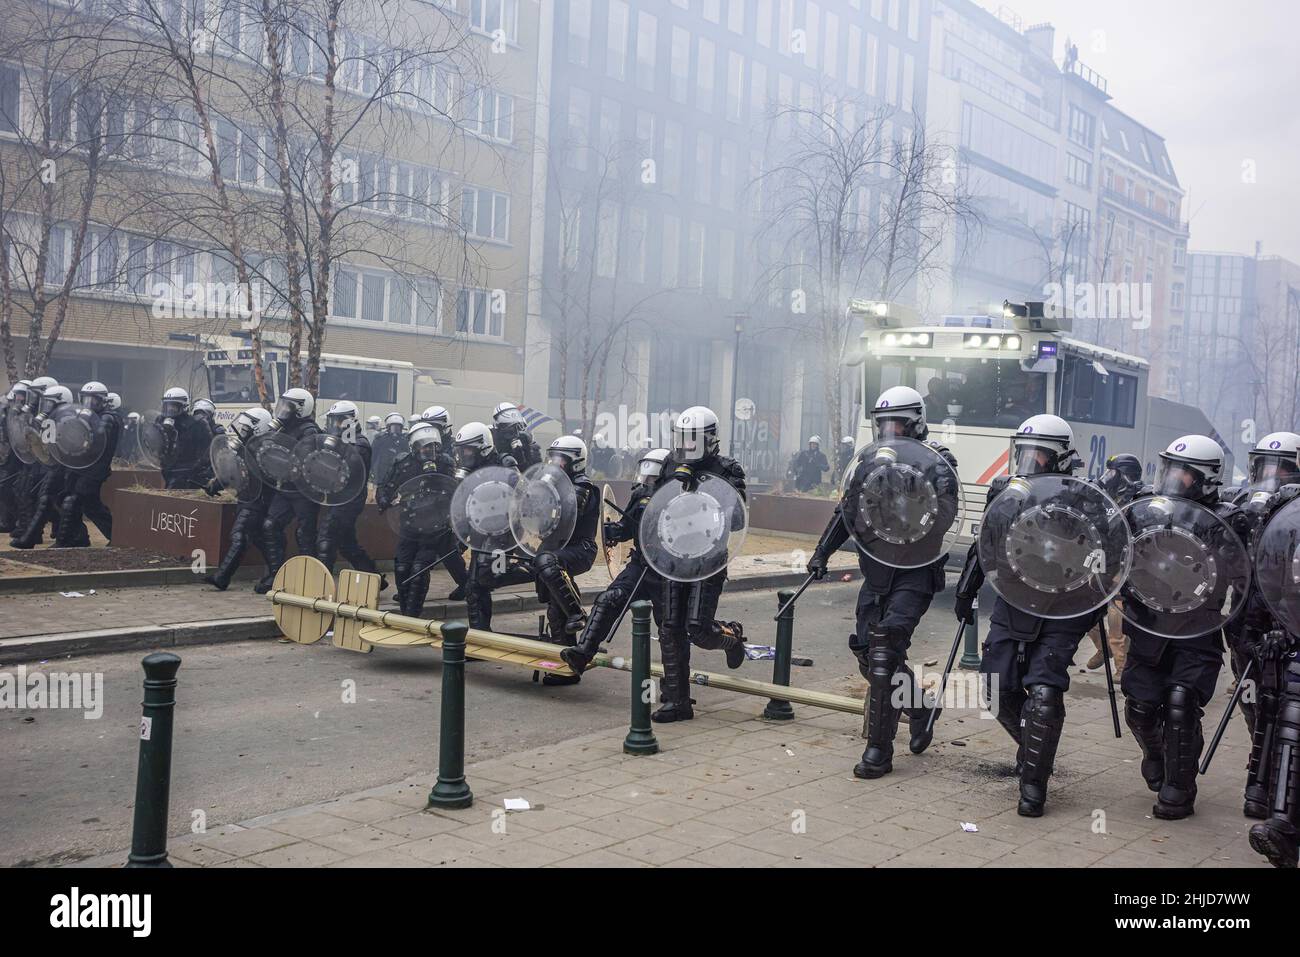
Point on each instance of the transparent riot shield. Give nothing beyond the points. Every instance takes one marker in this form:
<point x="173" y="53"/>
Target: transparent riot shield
<point x="272" y="458"/>
<point x="230" y="467"/>
<point x="78" y="439"/>
<point x="902" y="503"/>
<point x="544" y="509"/>
<point x="1054" y="546"/>
<point x="157" y="440"/>
<point x="16" y="424"/>
<point x="480" y="509"/>
<point x="1189" y="572"/>
<point x="423" y="506"/>
<point x="617" y="555"/>
<point x="1277" y="566"/>
<point x="691" y="532"/>
<point x="327" y="470"/>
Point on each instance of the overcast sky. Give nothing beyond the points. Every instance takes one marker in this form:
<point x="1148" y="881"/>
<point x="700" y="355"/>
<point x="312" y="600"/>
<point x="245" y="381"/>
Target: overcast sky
<point x="1221" y="83"/>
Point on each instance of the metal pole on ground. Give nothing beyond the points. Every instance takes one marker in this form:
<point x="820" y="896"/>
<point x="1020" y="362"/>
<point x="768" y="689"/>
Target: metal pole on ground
<point x="777" y="709"/>
<point x="640" y="736"/>
<point x="451" y="789"/>
<point x="154" y="771"/>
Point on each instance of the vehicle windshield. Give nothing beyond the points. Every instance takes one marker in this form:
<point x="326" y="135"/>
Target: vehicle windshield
<point x="974" y="391"/>
<point x="232" y="383"/>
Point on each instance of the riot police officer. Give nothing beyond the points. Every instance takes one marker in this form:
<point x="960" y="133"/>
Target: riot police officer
<point x="11" y="467"/>
<point x="45" y="481"/>
<point x="374" y="427"/>
<point x="292" y="417"/>
<point x="689" y="608"/>
<point x="1167" y="683"/>
<point x="1028" y="657"/>
<point x="510" y="436"/>
<point x="247" y="527"/>
<point x="892" y="600"/>
<point x="637" y="580"/>
<point x="388" y="446"/>
<point x="809" y="465"/>
<point x="206" y="413"/>
<point x="185" y="462"/>
<point x="416" y="552"/>
<point x="81" y="494"/>
<point x="338" y="523"/>
<point x="439" y="417"/>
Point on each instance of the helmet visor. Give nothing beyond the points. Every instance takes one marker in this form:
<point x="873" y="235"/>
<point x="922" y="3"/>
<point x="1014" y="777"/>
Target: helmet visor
<point x="1180" y="479"/>
<point x="426" y="449"/>
<point x="171" y="408"/>
<point x="649" y="469"/>
<point x="468" y="457"/>
<point x="689" y="445"/>
<point x="895" y="425"/>
<point x="93" y="402"/>
<point x="1030" y="459"/>
<point x="1270" y="472"/>
<point x="560" y="459"/>
<point x="286" y="409"/>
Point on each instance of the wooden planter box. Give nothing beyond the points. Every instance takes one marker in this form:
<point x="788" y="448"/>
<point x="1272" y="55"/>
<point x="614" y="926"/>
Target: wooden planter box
<point x="173" y="523"/>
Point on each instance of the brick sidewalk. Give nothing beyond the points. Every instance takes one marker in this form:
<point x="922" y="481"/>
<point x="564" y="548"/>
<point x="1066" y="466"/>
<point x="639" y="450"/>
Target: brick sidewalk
<point x="730" y="789"/>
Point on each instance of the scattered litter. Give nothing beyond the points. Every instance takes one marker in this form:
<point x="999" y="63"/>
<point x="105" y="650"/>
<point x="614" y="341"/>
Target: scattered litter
<point x="931" y="662"/>
<point x="789" y="752"/>
<point x="847" y="577"/>
<point x="759" y="652"/>
<point x="76" y="594"/>
<point x="517" y="804"/>
<point x="969" y="828"/>
<point x="958" y="744"/>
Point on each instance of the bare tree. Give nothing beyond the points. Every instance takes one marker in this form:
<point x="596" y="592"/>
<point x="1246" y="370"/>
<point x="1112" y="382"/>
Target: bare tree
<point x="858" y="204"/>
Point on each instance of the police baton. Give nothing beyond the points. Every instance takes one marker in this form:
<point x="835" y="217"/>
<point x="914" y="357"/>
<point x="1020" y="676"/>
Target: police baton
<point x="812" y="576"/>
<point x="627" y="604"/>
<point x="1227" y="714"/>
<point x="947" y="670"/>
<point x="1110" y="678"/>
<point x="431" y="564"/>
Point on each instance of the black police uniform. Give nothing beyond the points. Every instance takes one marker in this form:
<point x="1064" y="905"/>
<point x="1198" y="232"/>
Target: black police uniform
<point x="518" y="444"/>
<point x="415" y="553"/>
<point x="186" y="463"/>
<point x="11" y="469"/>
<point x="82" y="491"/>
<point x="1029" y="658"/>
<point x="287" y="504"/>
<point x="808" y="466"/>
<point x="636" y="582"/>
<point x="337" y="532"/>
<point x="246" y="530"/>
<point x="384" y="451"/>
<point x="890" y="605"/>
<point x="1166" y="685"/>
<point x="688" y="609"/>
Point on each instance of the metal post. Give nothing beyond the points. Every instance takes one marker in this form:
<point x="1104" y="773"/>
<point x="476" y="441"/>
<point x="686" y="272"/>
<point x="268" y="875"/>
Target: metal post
<point x="640" y="737"/>
<point x="154" y="771"/>
<point x="970" y="656"/>
<point x="739" y="319"/>
<point x="778" y="710"/>
<point x="451" y="790"/>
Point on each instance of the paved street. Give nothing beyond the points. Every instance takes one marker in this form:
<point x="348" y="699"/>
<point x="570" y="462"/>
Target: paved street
<point x="262" y="730"/>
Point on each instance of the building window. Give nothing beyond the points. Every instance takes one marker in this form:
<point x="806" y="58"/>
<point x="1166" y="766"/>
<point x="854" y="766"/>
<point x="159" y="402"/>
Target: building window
<point x="668" y="266"/>
<point x="475" y="315"/>
<point x="680" y="65"/>
<point x="1081" y="127"/>
<point x="9" y="98"/>
<point x="493" y="16"/>
<point x="607" y="242"/>
<point x="1078" y="171"/>
<point x="647" y="37"/>
<point x="580" y="32"/>
<point x="704" y="77"/>
<point x="616" y="45"/>
<point x="485" y="214"/>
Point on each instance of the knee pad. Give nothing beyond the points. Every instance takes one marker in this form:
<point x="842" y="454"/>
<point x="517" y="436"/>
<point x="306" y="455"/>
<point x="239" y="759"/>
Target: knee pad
<point x="68" y="504"/>
<point x="270" y="527"/>
<point x="882" y="662"/>
<point x="1181" y="706"/>
<point x="546" y="563"/>
<point x="1047" y="701"/>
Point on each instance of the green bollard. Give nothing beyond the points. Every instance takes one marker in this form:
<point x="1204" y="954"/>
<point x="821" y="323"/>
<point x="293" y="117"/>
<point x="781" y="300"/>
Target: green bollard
<point x="970" y="654"/>
<point x="640" y="735"/>
<point x="451" y="791"/>
<point x="154" y="771"/>
<point x="776" y="709"/>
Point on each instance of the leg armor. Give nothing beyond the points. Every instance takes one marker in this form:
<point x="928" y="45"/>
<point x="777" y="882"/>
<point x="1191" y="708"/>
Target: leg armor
<point x="605" y="610"/>
<point x="70" y="519"/>
<point x="277" y="517"/>
<point x="701" y="605"/>
<point x="1042" y="720"/>
<point x="307" y="513"/>
<point x="1278" y="838"/>
<point x="247" y="522"/>
<point x="1183" y="743"/>
<point x="562" y="594"/>
<point x="1146" y="721"/>
<point x="674" y="653"/>
<point x="1261" y="748"/>
<point x="99" y="514"/>
<point x="882" y="713"/>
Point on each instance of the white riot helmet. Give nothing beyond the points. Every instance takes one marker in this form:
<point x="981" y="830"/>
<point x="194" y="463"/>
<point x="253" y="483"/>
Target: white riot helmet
<point x="20" y="391"/>
<point x="1191" y="467"/>
<point x="294" y="405"/>
<point x="1043" y="444"/>
<point x="94" y="396"/>
<point x="43" y="382"/>
<point x="113" y="402"/>
<point x="847" y="440"/>
<point x="374" y="423"/>
<point x="133" y="417"/>
<point x="251" y="422"/>
<point x="1274" y="461"/>
<point x="175" y="401"/>
<point x="437" y="415"/>
<point x="204" y="408"/>
<point x="651" y="466"/>
<point x="53" y="397"/>
<point x="695" y="434"/>
<point x="473" y="446"/>
<point x="815" y="440"/>
<point x="341" y="420"/>
<point x="395" y="423"/>
<point x="899" y="413"/>
<point x="508" y="414"/>
<point x="425" y="441"/>
<point x="570" y="453"/>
